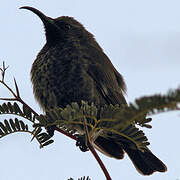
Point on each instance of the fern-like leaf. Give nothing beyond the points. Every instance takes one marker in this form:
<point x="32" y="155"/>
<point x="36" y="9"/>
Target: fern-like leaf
<point x="15" y="109"/>
<point x="9" y="127"/>
<point x="117" y="119"/>
<point x="12" y="126"/>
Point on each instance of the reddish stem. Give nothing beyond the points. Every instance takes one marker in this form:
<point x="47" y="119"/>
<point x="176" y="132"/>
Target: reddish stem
<point x="66" y="133"/>
<point x="91" y="148"/>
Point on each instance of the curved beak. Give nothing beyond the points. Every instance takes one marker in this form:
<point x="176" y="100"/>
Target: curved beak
<point x="50" y="27"/>
<point x="46" y="20"/>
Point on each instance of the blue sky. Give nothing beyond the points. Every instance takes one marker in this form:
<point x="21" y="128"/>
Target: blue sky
<point x="142" y="39"/>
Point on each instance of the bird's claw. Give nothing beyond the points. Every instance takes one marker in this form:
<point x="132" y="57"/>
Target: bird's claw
<point x="50" y="130"/>
<point x="81" y="143"/>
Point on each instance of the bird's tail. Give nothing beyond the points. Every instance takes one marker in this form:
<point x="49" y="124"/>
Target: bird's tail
<point x="144" y="161"/>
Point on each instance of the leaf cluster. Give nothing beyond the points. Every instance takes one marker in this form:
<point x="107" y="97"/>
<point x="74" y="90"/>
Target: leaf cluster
<point x="121" y="120"/>
<point x="117" y="119"/>
<point x="11" y="126"/>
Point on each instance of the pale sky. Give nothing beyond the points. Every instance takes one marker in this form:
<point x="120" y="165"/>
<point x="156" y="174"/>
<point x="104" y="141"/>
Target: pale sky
<point x="142" y="39"/>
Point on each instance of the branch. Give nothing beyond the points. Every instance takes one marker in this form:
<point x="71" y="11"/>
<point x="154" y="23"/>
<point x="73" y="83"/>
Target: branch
<point x="91" y="148"/>
<point x="99" y="162"/>
<point x="19" y="99"/>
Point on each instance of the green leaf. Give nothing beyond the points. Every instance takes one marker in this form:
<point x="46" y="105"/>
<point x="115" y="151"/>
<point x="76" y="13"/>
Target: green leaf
<point x="17" y="124"/>
<point x="43" y="137"/>
<point x="27" y="112"/>
<point x="22" y="125"/>
<point x="17" y="109"/>
<point x="10" y="107"/>
<point x="12" y="124"/>
<point x="1" y="109"/>
<point x="1" y="133"/>
<point x="8" y="127"/>
<point x="5" y="107"/>
<point x="36" y="132"/>
<point x="3" y="128"/>
<point x="48" y="142"/>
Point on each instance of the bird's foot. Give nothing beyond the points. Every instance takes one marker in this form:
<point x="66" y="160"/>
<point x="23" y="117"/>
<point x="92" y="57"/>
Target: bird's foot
<point x="50" y="130"/>
<point x="81" y="142"/>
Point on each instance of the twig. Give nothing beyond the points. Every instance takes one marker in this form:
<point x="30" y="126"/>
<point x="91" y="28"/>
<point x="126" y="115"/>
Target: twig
<point x="91" y="148"/>
<point x="66" y="133"/>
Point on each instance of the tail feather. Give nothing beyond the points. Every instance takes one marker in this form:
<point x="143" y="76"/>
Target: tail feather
<point x="145" y="162"/>
<point x="153" y="161"/>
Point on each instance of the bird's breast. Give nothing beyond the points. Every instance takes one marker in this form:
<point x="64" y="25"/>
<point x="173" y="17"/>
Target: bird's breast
<point x="59" y="78"/>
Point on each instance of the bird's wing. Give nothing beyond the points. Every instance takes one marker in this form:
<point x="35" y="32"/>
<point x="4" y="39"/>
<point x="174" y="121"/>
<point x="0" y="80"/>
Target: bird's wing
<point x="109" y="82"/>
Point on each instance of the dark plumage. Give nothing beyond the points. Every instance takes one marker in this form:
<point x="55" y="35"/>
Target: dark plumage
<point x="72" y="67"/>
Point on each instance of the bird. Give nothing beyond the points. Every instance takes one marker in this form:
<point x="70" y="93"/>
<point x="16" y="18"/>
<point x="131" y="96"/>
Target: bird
<point x="72" y="67"/>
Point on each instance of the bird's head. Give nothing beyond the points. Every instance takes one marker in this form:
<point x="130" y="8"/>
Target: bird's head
<point x="62" y="28"/>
